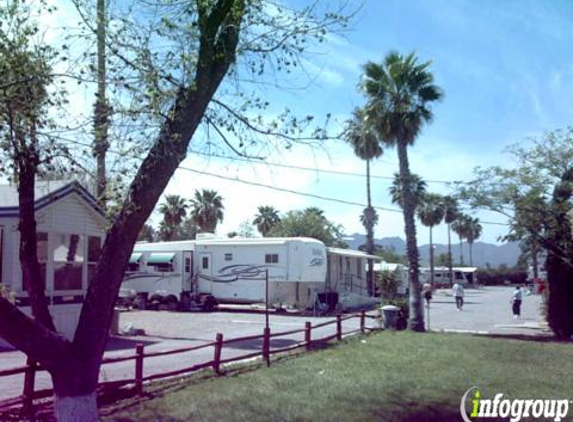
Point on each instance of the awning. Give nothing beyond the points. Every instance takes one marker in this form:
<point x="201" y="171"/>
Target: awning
<point x="135" y="257"/>
<point x="160" y="258"/>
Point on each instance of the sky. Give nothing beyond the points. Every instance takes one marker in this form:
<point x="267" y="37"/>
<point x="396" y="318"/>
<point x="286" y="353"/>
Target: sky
<point x="507" y="75"/>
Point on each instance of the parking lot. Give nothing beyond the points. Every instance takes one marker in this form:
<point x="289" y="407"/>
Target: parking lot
<point x="486" y="311"/>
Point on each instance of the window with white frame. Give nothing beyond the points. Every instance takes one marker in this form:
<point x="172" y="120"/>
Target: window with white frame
<point x="68" y="261"/>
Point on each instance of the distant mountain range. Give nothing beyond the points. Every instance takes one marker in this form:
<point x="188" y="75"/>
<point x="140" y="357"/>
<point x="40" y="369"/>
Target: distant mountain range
<point x="483" y="253"/>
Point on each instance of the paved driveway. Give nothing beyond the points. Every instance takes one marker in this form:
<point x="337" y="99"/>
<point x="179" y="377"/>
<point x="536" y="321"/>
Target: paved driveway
<point x="170" y="330"/>
<point x="487" y="310"/>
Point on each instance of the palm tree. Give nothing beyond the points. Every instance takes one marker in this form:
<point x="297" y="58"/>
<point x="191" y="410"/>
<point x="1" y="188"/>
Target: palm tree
<point x="399" y="92"/>
<point x="431" y="213"/>
<point x="451" y="212"/>
<point x="366" y="146"/>
<point x="174" y="210"/>
<point x="266" y="219"/>
<point x="417" y="184"/>
<point x="207" y="209"/>
<point x="474" y="233"/>
<point x="461" y="227"/>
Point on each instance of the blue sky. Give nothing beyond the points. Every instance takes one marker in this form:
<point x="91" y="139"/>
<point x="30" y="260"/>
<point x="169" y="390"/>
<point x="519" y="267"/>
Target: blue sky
<point x="507" y="73"/>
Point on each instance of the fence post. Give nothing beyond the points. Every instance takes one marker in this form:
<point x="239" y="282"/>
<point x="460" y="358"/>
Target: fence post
<point x="217" y="356"/>
<point x="139" y="355"/>
<point x="363" y="321"/>
<point x="28" y="393"/>
<point x="307" y="334"/>
<point x="267" y="345"/>
<point x="338" y="327"/>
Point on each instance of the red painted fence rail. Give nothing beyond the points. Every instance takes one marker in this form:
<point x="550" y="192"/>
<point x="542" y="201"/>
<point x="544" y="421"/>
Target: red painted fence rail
<point x="26" y="400"/>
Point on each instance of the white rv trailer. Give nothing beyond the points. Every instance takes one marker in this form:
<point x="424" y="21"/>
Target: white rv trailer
<point x="227" y="270"/>
<point x="462" y="275"/>
<point x="70" y="231"/>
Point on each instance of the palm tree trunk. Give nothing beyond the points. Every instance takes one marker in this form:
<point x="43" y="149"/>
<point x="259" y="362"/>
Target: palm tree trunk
<point x="416" y="320"/>
<point x="471" y="253"/>
<point x="450" y="256"/>
<point x="431" y="258"/>
<point x="461" y="251"/>
<point x="535" y="261"/>
<point x="101" y="114"/>
<point x="369" y="233"/>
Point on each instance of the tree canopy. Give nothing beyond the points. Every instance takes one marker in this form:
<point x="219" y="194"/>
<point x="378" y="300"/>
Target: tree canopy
<point x="309" y="222"/>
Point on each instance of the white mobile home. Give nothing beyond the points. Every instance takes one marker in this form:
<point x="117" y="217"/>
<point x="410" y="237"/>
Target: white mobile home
<point x="70" y="227"/>
<point x="227" y="270"/>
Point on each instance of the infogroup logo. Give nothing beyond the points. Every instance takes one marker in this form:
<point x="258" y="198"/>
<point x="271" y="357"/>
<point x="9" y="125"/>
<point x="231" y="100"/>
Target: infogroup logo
<point x="515" y="409"/>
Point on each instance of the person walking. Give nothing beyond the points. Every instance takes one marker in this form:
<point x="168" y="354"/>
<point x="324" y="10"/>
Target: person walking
<point x="458" y="293"/>
<point x="427" y="293"/>
<point x="516" y="300"/>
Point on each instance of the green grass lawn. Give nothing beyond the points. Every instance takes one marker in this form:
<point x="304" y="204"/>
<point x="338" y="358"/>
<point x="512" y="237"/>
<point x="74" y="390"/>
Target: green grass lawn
<point x="401" y="377"/>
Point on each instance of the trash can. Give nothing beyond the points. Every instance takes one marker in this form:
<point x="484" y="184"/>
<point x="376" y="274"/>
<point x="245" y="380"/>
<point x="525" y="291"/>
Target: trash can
<point x="390" y="314"/>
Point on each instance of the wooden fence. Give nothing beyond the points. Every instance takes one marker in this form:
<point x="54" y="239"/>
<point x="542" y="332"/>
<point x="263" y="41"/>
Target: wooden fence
<point x="26" y="400"/>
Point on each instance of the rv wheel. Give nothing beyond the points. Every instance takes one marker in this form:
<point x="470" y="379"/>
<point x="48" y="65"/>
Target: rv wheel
<point x="155" y="302"/>
<point x="210" y="304"/>
<point x="185" y="302"/>
<point x="169" y="304"/>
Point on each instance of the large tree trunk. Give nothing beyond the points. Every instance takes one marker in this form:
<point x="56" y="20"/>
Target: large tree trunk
<point x="369" y="220"/>
<point x="31" y="277"/>
<point x="75" y="395"/>
<point x="431" y="258"/>
<point x="451" y="270"/>
<point x="416" y="320"/>
<point x="535" y="262"/>
<point x="74" y="367"/>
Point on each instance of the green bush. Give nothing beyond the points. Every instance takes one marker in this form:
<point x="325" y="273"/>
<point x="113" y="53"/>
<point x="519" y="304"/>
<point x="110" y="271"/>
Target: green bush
<point x="387" y="284"/>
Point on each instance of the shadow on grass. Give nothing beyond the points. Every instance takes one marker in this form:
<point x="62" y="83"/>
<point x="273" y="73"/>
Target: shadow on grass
<point x="538" y="338"/>
<point x="400" y="406"/>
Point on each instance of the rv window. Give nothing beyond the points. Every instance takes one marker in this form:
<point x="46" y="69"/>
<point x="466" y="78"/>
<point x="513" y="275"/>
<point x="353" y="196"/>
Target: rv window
<point x="187" y="265"/>
<point x="271" y="258"/>
<point x="163" y="267"/>
<point x="205" y="262"/>
<point x="228" y="257"/>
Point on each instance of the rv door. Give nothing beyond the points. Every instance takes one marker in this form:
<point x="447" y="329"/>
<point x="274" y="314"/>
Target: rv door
<point x="205" y="272"/>
<point x="187" y="270"/>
